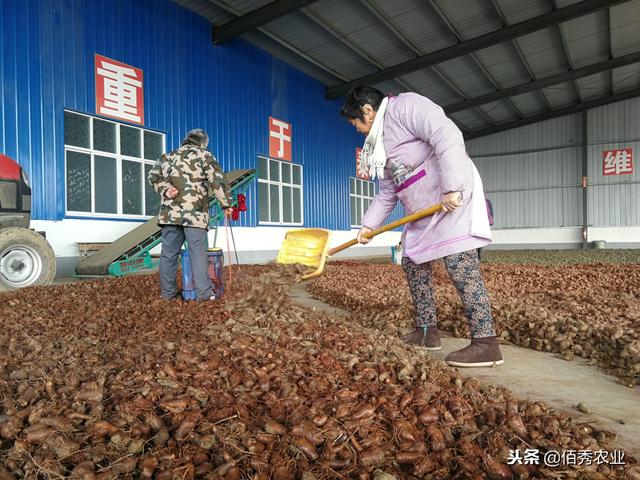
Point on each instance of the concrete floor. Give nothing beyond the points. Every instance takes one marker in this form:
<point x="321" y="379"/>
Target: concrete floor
<point x="542" y="376"/>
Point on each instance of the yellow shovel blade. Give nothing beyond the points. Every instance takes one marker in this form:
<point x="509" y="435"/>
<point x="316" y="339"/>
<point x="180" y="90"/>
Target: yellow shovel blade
<point x="308" y="247"/>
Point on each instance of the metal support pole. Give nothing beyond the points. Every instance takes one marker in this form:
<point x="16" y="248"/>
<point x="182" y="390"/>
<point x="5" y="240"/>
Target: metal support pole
<point x="585" y="168"/>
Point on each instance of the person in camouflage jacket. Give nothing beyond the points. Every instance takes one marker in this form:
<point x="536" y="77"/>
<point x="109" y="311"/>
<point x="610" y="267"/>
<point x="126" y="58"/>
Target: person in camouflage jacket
<point x="185" y="179"/>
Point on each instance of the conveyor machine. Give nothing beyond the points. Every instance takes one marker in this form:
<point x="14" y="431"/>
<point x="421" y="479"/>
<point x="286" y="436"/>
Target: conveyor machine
<point x="131" y="252"/>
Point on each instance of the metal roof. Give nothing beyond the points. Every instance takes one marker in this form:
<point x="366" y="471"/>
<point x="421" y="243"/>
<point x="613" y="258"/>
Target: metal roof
<point x="451" y="50"/>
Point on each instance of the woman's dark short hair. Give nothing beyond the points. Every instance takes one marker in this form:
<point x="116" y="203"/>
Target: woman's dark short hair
<point x="357" y="98"/>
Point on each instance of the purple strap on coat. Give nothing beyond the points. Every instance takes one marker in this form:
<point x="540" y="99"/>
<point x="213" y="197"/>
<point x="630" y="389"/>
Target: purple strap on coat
<point x="411" y="180"/>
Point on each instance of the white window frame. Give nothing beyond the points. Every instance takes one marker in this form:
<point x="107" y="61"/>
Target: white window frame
<point x="281" y="184"/>
<point x="360" y="198"/>
<point x="118" y="158"/>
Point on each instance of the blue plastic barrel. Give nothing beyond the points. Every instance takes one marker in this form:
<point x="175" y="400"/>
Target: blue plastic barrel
<point x="396" y="254"/>
<point x="216" y="263"/>
<point x="188" y="293"/>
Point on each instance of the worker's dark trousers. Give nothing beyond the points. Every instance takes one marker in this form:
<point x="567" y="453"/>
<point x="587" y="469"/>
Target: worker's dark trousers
<point x="173" y="237"/>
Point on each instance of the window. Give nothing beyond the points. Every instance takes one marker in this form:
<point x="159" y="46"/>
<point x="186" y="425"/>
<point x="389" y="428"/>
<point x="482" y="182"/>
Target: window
<point x="107" y="164"/>
<point x="361" y="193"/>
<point x="279" y="192"/>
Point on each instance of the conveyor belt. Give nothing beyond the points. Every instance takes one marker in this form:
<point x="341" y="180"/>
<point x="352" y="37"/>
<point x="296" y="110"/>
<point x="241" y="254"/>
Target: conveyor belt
<point x="144" y="237"/>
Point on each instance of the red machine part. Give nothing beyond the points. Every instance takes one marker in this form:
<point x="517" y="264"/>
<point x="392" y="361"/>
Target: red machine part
<point x="241" y="207"/>
<point x="9" y="168"/>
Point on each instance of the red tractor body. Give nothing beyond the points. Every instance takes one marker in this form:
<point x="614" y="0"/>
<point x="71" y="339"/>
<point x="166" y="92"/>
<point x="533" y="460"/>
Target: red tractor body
<point x="26" y="258"/>
<point x="15" y="194"/>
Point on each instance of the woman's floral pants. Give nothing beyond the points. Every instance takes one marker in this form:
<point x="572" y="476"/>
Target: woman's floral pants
<point x="464" y="270"/>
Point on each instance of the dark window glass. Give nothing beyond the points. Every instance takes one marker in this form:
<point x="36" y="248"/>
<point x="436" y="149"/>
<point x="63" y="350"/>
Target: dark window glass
<point x="297" y="175"/>
<point x="131" y="188"/>
<point x="130" y="141"/>
<point x="354" y="220"/>
<point x="262" y="168"/>
<point x="106" y="184"/>
<point x="297" y="205"/>
<point x="78" y="182"/>
<point x="76" y="130"/>
<point x="263" y="201"/>
<point x="286" y="173"/>
<point x="287" y="207"/>
<point x="274" y="197"/>
<point x="151" y="198"/>
<point x="104" y="136"/>
<point x="274" y="171"/>
<point x="152" y="145"/>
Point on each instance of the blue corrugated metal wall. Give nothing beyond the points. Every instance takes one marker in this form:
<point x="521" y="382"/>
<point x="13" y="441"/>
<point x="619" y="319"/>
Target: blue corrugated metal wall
<point x="47" y="59"/>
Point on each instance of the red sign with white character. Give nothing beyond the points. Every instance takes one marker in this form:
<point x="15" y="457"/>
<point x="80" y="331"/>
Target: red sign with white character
<point x="617" y="162"/>
<point x="119" y="90"/>
<point x="279" y="139"/>
<point x="361" y="172"/>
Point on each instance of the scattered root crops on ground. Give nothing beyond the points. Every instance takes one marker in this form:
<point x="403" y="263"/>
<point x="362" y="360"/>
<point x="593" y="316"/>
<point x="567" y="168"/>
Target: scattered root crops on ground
<point x="103" y="379"/>
<point x="591" y="310"/>
<point x="561" y="257"/>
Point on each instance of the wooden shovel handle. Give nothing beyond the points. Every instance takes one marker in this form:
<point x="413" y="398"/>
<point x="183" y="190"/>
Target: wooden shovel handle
<point x="409" y="218"/>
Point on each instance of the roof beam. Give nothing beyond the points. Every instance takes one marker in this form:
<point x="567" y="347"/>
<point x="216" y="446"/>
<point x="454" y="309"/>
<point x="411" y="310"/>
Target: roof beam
<point x="396" y="31"/>
<point x="357" y="50"/>
<point x="545" y="82"/>
<point x="460" y="93"/>
<point x="282" y="42"/>
<point x="560" y="112"/>
<point x="434" y="5"/>
<point x="520" y="53"/>
<point x="567" y="54"/>
<point x="609" y="37"/>
<point x="256" y="18"/>
<point x="555" y="17"/>
<point x="531" y="73"/>
<point x="354" y="48"/>
<point x="411" y="46"/>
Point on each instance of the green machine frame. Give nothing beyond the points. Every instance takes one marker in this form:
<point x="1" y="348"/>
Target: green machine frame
<point x="139" y="258"/>
<point x="131" y="253"/>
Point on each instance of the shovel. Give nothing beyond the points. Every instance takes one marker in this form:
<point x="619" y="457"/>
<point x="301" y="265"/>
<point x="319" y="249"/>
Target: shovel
<point x="310" y="246"/>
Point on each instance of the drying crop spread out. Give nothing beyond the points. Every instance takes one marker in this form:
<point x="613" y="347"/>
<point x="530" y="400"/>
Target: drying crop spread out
<point x="104" y="379"/>
<point x="590" y="310"/>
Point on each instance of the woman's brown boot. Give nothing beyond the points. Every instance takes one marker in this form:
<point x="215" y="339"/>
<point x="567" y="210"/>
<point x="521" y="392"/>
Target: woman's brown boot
<point x="483" y="352"/>
<point x="426" y="337"/>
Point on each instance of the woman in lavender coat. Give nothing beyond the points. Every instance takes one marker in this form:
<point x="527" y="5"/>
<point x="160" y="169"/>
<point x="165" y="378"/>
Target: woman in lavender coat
<point x="420" y="159"/>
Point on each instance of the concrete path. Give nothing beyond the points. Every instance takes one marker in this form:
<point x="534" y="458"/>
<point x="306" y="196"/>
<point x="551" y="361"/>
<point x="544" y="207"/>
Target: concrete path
<point x="536" y="375"/>
<point x="563" y="384"/>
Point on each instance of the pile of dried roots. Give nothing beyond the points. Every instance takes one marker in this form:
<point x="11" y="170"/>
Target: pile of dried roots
<point x="591" y="311"/>
<point x="105" y="380"/>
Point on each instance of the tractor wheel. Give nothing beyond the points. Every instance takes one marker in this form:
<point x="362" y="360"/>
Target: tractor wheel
<point x="26" y="258"/>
